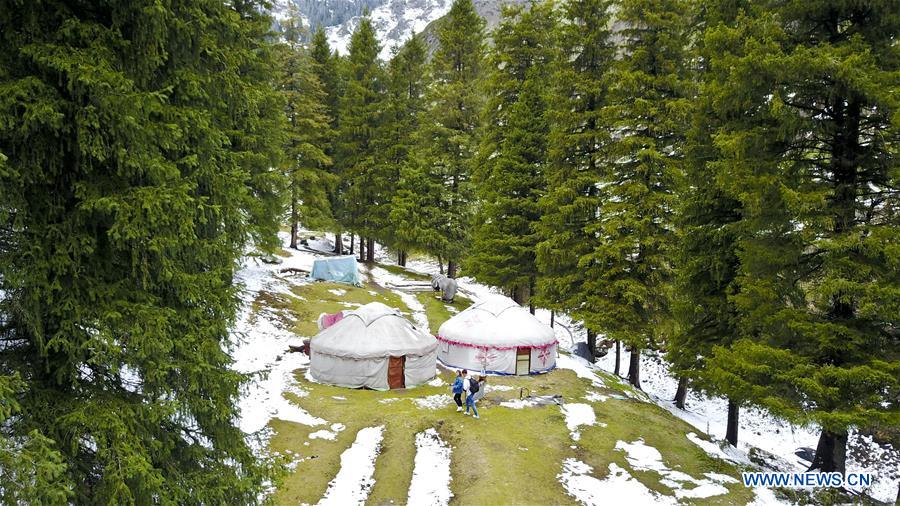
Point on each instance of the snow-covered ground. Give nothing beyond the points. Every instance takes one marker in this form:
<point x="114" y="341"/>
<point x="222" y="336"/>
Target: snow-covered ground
<point x="259" y="347"/>
<point x="430" y="484"/>
<point x="618" y="487"/>
<point x="354" y="481"/>
<point x="758" y="429"/>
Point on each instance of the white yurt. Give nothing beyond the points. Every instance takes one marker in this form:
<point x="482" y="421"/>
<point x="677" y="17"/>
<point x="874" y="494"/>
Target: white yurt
<point x="373" y="346"/>
<point x="497" y="336"/>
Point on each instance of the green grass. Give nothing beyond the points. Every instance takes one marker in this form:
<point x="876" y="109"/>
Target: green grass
<point x="300" y="311"/>
<point x="497" y="459"/>
<point x="403" y="271"/>
<point x="509" y="456"/>
<point x="437" y="310"/>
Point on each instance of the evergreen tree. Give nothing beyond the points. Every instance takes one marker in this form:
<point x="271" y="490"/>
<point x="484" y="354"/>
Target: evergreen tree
<point x="328" y="68"/>
<point x="707" y="263"/>
<point x="808" y="145"/>
<point x="447" y="138"/>
<point x="512" y="159"/>
<point x="630" y="269"/>
<point x="404" y="104"/>
<point x="571" y="204"/>
<point x="356" y="148"/>
<point x="305" y="162"/>
<point x="138" y="159"/>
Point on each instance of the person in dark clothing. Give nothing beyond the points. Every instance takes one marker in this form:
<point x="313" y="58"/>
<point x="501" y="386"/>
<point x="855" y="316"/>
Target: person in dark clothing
<point x="457" y="389"/>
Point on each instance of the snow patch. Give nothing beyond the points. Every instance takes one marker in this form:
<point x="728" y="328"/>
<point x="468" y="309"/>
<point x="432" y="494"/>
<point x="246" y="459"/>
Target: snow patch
<point x="642" y="457"/>
<point x="617" y="488"/>
<point x="354" y="481"/>
<point x="595" y="397"/>
<point x="581" y="367"/>
<point x="433" y="401"/>
<point x="384" y="278"/>
<point x="577" y="415"/>
<point x="430" y="485"/>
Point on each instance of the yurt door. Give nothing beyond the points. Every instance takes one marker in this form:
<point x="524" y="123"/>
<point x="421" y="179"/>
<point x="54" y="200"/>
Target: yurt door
<point x="396" y="376"/>
<point x="523" y="361"/>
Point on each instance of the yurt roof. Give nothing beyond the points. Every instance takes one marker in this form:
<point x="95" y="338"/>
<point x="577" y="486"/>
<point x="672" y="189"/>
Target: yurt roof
<point x="373" y="331"/>
<point x="496" y="321"/>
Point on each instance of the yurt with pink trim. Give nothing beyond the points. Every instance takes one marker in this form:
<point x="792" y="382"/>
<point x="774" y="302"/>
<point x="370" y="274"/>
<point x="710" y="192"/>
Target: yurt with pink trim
<point x="497" y="336"/>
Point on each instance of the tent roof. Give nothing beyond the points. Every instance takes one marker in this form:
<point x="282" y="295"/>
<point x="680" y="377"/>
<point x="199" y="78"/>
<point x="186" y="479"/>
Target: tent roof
<point x="342" y="269"/>
<point x="497" y="321"/>
<point x="373" y="331"/>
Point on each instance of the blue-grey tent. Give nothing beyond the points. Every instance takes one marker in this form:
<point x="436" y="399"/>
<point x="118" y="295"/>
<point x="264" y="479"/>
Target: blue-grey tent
<point x="341" y="269"/>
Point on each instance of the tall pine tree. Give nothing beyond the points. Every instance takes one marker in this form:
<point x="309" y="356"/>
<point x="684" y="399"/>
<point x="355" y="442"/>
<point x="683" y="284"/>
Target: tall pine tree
<point x="306" y="165"/>
<point x="571" y="205"/>
<point x="356" y="147"/>
<point x="808" y="145"/>
<point x="629" y="271"/>
<point x="509" y="170"/>
<point x="447" y="140"/>
<point x="139" y="160"/>
<point x="329" y="71"/>
<point x="404" y="105"/>
<point x="707" y="262"/>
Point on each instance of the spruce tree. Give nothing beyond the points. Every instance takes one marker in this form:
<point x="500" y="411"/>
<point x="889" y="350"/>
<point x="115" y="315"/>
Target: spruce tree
<point x="138" y="158"/>
<point x="707" y="262"/>
<point x="305" y="163"/>
<point x="447" y="140"/>
<point x="396" y="142"/>
<point x="571" y="205"/>
<point x="356" y="143"/>
<point x="328" y="68"/>
<point x="629" y="271"/>
<point x="512" y="158"/>
<point x="808" y="145"/>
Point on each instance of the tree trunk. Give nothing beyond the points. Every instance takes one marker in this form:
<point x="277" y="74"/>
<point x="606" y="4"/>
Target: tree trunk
<point x="362" y="249"/>
<point x="731" y="430"/>
<point x="521" y="295"/>
<point x="451" y="268"/>
<point x="618" y="368"/>
<point x="681" y="392"/>
<point x="352" y="243"/>
<point x="634" y="368"/>
<point x="831" y="452"/>
<point x="370" y="250"/>
<point x="552" y="318"/>
<point x="401" y="258"/>
<point x="592" y="344"/>
<point x="531" y="308"/>
<point x="294" y="218"/>
<point x="338" y="244"/>
<point x="440" y="264"/>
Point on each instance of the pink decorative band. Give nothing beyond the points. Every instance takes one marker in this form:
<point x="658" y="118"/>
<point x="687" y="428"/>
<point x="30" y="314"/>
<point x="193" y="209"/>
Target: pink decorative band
<point x="484" y="347"/>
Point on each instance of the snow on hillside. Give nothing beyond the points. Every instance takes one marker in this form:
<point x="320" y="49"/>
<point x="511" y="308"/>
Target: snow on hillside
<point x="394" y="23"/>
<point x="758" y="429"/>
<point x="259" y="346"/>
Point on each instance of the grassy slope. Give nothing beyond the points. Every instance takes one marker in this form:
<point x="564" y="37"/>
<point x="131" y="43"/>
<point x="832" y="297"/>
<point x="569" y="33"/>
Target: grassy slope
<point x="508" y="456"/>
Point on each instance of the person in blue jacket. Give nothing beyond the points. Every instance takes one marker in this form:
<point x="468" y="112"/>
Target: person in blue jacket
<point x="458" y="389"/>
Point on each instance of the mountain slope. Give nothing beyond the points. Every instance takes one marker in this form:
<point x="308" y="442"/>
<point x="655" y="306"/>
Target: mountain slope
<point x="394" y="20"/>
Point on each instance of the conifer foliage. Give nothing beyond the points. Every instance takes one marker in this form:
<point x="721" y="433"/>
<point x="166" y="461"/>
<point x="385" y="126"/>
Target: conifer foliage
<point x="571" y="203"/>
<point x="360" y="116"/>
<point x="807" y="98"/>
<point x="447" y="139"/>
<point x="630" y="269"/>
<point x="509" y="171"/>
<point x="404" y="104"/>
<point x="306" y="165"/>
<point x="138" y="158"/>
